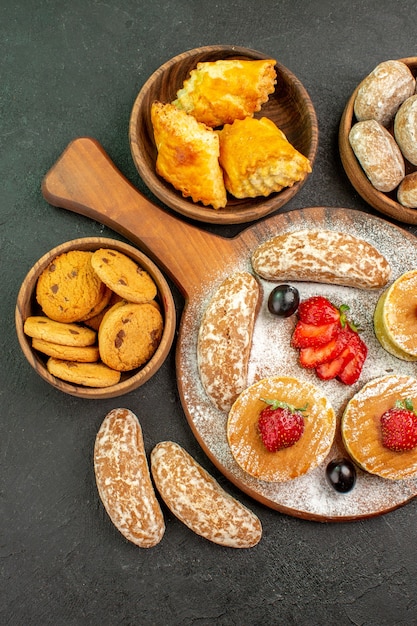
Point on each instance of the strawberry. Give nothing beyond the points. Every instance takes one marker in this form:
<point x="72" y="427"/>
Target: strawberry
<point x="328" y="341"/>
<point x="331" y="369"/>
<point x="306" y="335"/>
<point x="353" y="368"/>
<point x="280" y="425"/>
<point x="399" y="427"/>
<point x="316" y="356"/>
<point x="318" y="310"/>
<point x="343" y="352"/>
<point x="319" y="321"/>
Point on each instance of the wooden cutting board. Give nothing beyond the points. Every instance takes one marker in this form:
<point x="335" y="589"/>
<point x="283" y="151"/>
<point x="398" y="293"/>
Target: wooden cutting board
<point x="84" y="180"/>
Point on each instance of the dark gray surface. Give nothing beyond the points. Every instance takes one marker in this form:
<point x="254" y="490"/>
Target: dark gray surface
<point x="74" y="68"/>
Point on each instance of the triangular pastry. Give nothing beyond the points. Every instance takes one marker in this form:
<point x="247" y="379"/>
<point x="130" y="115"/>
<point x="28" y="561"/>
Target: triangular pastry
<point x="218" y="92"/>
<point x="257" y="159"/>
<point x="188" y="155"/>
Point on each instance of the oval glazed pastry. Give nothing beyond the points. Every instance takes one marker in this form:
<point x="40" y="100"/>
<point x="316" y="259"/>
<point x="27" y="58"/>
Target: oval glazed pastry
<point x="197" y="499"/>
<point x="323" y="256"/>
<point x="123" y="479"/>
<point x="225" y="338"/>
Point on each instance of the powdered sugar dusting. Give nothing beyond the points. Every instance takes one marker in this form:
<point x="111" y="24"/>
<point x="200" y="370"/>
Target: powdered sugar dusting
<point x="309" y="496"/>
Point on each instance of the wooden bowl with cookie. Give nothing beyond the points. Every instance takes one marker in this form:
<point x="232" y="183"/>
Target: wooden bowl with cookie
<point x="95" y="318"/>
<point x="370" y="162"/>
<point x="263" y="89"/>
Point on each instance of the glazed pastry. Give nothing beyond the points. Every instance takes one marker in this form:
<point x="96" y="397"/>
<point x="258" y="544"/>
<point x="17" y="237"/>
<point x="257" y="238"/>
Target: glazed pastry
<point x="257" y="159"/>
<point x="307" y="453"/>
<point x="220" y="92"/>
<point x="197" y="499"/>
<point x="188" y="155"/>
<point x="322" y="256"/>
<point x="123" y="479"/>
<point x="225" y="338"/>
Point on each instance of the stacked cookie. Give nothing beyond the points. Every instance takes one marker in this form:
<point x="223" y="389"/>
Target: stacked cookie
<point x="99" y="317"/>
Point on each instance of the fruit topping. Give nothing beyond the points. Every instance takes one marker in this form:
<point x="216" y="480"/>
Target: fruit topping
<point x="283" y="300"/>
<point x="318" y="310"/>
<point x="328" y="341"/>
<point x="352" y="369"/>
<point x="306" y="335"/>
<point x="321" y="354"/>
<point x="280" y="425"/>
<point x="341" y="475"/>
<point x="399" y="427"/>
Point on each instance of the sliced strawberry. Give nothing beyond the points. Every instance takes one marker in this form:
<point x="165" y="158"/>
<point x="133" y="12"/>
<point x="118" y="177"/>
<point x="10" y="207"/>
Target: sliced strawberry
<point x="310" y="335"/>
<point x="318" y="310"/>
<point x="343" y="352"/>
<point x="331" y="369"/>
<point x="352" y="370"/>
<point x="314" y="356"/>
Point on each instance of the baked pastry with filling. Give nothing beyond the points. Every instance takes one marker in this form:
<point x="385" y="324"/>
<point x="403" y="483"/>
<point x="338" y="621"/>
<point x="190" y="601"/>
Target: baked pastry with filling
<point x="218" y="92"/>
<point x="257" y="159"/>
<point x="188" y="155"/>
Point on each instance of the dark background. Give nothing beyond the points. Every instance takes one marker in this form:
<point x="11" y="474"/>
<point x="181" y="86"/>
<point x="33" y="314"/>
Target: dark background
<point x="74" y="68"/>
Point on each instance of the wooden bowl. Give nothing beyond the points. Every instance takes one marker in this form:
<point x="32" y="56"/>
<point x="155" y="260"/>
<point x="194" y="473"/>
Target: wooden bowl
<point x="386" y="203"/>
<point x="289" y="107"/>
<point x="26" y="306"/>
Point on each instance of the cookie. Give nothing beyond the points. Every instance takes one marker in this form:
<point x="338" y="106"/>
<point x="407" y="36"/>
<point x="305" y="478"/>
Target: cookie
<point x="100" y="306"/>
<point x="95" y="321"/>
<point x="41" y="327"/>
<point x="68" y="289"/>
<point x="83" y="354"/>
<point x="86" y="374"/>
<point x="129" y="334"/>
<point x="123" y="276"/>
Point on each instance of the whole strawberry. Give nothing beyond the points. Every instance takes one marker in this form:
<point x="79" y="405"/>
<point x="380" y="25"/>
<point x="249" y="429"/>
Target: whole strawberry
<point x="280" y="425"/>
<point x="399" y="427"/>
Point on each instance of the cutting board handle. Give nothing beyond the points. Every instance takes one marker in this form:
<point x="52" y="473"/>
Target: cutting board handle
<point x="85" y="180"/>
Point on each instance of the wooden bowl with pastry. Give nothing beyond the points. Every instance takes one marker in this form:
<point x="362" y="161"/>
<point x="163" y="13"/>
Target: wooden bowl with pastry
<point x="377" y="139"/>
<point x="95" y="318"/>
<point x="223" y="134"/>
